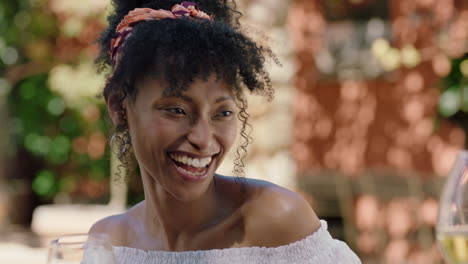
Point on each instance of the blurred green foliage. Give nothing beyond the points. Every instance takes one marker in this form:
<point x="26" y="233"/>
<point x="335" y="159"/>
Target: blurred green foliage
<point x="50" y="87"/>
<point x="454" y="97"/>
<point x="453" y="102"/>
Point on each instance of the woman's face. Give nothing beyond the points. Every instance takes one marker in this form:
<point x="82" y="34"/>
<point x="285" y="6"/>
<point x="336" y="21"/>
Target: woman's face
<point x="180" y="140"/>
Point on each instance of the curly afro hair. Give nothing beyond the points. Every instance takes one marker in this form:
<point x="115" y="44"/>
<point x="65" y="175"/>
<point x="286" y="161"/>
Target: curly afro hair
<point x="181" y="50"/>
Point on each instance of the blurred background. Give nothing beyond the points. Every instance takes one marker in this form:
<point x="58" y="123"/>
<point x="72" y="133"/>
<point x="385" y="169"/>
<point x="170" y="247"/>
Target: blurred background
<point x="371" y="107"/>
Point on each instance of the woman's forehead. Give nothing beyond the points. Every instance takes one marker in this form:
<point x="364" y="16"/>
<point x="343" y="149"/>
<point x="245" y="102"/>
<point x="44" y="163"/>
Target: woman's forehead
<point x="199" y="87"/>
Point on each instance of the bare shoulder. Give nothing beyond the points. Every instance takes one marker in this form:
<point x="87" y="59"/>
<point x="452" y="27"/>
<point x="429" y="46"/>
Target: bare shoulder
<point x="115" y="226"/>
<point x="275" y="216"/>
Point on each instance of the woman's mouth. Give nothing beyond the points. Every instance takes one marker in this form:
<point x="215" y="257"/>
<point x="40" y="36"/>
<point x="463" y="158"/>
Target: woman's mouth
<point x="191" y="168"/>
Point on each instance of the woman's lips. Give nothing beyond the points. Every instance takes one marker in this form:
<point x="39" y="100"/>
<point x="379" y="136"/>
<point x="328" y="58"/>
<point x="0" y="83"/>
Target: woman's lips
<point x="192" y="174"/>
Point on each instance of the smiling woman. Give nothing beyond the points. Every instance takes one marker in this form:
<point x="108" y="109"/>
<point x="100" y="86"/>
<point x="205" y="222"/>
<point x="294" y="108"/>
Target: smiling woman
<point x="180" y="139"/>
<point x="176" y="95"/>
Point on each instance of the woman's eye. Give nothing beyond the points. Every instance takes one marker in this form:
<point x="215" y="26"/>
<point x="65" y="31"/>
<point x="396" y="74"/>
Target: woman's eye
<point x="176" y="110"/>
<point x="225" y="113"/>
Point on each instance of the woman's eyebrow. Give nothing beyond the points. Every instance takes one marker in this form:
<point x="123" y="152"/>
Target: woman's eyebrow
<point x="190" y="100"/>
<point x="181" y="96"/>
<point x="223" y="98"/>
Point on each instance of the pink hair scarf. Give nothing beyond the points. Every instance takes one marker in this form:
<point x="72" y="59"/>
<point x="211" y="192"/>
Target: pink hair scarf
<point x="125" y="27"/>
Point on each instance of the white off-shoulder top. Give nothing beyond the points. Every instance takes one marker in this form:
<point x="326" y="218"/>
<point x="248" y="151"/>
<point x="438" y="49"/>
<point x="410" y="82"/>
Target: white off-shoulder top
<point x="318" y="248"/>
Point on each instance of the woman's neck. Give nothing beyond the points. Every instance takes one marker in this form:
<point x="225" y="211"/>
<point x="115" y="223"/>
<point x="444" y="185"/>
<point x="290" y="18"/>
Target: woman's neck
<point x="176" y="221"/>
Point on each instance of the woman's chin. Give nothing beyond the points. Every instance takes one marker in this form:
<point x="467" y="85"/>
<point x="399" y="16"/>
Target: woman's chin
<point x="190" y="194"/>
<point x="189" y="189"/>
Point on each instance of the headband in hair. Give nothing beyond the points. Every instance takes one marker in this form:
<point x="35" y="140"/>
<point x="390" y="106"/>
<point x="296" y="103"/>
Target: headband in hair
<point x="125" y="27"/>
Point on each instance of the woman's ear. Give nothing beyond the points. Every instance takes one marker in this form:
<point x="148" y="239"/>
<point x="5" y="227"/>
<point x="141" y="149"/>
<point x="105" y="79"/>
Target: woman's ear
<point x="116" y="107"/>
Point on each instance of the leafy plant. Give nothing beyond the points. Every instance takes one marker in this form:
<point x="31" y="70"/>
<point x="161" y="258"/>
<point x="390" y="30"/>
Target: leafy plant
<point x="50" y="87"/>
<point x="453" y="102"/>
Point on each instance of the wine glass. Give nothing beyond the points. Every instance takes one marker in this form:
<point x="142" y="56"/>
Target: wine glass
<point x="452" y="226"/>
<point x="81" y="249"/>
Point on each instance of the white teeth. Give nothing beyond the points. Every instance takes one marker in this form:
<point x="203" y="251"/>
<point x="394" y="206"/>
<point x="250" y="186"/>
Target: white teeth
<point x="192" y="173"/>
<point x="201" y="163"/>
<point x="194" y="162"/>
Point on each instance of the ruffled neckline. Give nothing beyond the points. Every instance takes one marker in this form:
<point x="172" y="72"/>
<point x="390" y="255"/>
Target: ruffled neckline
<point x="316" y="239"/>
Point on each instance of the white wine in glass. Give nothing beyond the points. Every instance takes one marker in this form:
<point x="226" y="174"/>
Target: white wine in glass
<point x="452" y="226"/>
<point x="81" y="249"/>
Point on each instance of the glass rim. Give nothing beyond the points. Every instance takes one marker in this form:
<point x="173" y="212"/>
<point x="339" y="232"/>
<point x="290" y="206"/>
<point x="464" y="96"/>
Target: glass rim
<point x="57" y="242"/>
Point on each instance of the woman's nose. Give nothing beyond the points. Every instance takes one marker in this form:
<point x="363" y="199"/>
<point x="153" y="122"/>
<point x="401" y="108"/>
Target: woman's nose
<point x="200" y="134"/>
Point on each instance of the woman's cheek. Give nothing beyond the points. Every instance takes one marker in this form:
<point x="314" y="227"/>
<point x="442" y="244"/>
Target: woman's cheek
<point x="171" y="128"/>
<point x="229" y="134"/>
